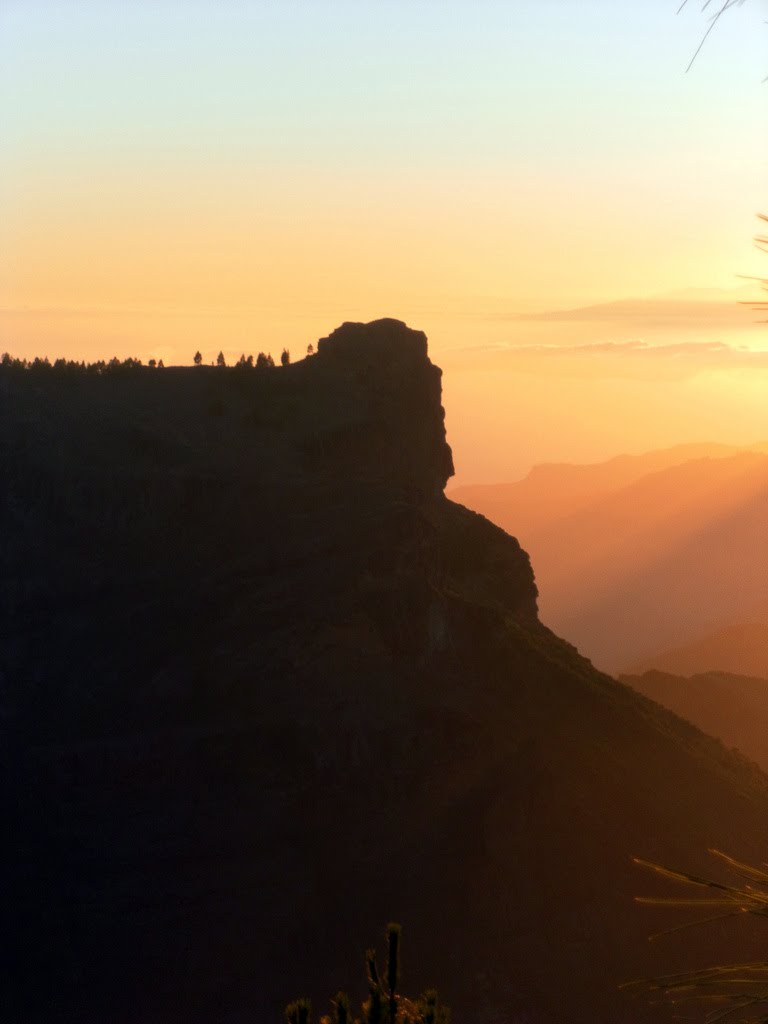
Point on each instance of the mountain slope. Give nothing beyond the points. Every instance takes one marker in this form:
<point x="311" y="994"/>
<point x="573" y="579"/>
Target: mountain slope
<point x="266" y="688"/>
<point x="740" y="649"/>
<point x="554" y="491"/>
<point x="650" y="562"/>
<point x="732" y="707"/>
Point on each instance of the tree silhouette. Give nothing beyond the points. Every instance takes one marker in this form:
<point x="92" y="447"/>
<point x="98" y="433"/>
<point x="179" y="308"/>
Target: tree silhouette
<point x="198" y="359"/>
<point x="220" y="360"/>
<point x="285" y="357"/>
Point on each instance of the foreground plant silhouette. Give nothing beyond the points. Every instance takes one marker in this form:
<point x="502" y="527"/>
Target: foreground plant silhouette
<point x="385" y="1005"/>
<point x="718" y="11"/>
<point x="729" y="989"/>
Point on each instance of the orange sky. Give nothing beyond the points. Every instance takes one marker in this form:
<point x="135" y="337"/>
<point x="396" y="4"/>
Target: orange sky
<point x="246" y="177"/>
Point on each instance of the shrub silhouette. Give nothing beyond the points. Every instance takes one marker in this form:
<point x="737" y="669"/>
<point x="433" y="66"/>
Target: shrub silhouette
<point x="342" y="1009"/>
<point x="299" y="1012"/>
<point x="385" y="1004"/>
<point x="393" y="965"/>
<point x="733" y="989"/>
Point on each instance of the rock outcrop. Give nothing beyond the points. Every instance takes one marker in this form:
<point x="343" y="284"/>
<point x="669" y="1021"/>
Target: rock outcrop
<point x="386" y="369"/>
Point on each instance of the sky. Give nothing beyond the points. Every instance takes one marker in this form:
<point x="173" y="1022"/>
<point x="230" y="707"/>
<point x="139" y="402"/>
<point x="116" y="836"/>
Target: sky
<point x="225" y="174"/>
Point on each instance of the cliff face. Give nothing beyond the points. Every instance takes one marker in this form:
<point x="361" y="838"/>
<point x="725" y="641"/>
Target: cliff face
<point x="266" y="689"/>
<point x="384" y="366"/>
<point x="313" y="490"/>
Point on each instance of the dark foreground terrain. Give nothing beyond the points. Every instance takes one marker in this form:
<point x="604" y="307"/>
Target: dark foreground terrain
<point x="265" y="688"/>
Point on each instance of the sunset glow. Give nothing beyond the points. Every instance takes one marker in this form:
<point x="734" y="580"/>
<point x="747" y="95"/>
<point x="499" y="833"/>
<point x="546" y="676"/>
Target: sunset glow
<point x="244" y="176"/>
<point x="383" y="510"/>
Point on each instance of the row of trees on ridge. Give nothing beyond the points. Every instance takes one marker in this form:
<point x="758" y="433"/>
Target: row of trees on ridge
<point x="263" y="360"/>
<point x="114" y="365"/>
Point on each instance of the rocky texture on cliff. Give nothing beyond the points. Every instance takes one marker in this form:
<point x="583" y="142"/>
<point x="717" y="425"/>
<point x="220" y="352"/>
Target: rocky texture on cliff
<point x="266" y="688"/>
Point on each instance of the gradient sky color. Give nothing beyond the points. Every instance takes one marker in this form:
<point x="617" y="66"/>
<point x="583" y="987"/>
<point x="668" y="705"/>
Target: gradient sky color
<point x="245" y="175"/>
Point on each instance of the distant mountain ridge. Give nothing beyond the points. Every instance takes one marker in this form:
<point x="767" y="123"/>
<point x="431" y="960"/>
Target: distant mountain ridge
<point x="727" y="705"/>
<point x="644" y="553"/>
<point x="739" y="649"/>
<point x="553" y="490"/>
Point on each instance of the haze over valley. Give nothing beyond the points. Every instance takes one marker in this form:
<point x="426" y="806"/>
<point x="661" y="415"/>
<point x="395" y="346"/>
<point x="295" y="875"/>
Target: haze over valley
<point x="641" y="555"/>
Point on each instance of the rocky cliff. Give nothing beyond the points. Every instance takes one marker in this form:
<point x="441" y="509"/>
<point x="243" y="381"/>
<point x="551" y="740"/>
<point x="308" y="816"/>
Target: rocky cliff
<point x="266" y="688"/>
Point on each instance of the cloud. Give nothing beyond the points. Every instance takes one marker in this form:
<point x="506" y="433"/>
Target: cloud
<point x="634" y="359"/>
<point x="712" y="351"/>
<point x="696" y="308"/>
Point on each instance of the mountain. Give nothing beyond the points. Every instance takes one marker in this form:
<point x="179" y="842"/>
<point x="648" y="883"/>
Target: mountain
<point x="266" y="688"/>
<point x="639" y="555"/>
<point x="554" y="490"/>
<point x="741" y="650"/>
<point x="732" y="707"/>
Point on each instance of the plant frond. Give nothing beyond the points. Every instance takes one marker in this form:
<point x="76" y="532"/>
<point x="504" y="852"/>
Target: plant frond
<point x="745" y="869"/>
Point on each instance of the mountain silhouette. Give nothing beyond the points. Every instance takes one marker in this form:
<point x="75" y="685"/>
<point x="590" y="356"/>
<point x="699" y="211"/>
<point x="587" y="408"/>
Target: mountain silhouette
<point x="732" y="707"/>
<point x="739" y="649"/>
<point x="641" y="554"/>
<point x="266" y="687"/>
